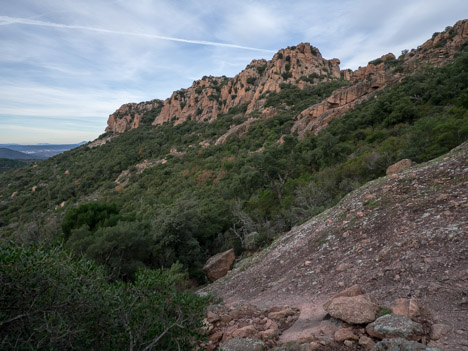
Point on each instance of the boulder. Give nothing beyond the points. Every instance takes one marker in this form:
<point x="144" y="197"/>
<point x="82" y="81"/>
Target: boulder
<point x="395" y="326"/>
<point x="239" y="344"/>
<point x="354" y="290"/>
<point x="407" y="307"/>
<point x="399" y="166"/>
<point x="400" y="344"/>
<point x="353" y="310"/>
<point x="217" y="266"/>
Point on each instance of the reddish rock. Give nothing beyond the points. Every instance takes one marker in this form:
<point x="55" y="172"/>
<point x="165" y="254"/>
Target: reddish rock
<point x="217" y="266"/>
<point x="244" y="332"/>
<point x="366" y="342"/>
<point x="406" y="307"/>
<point x="268" y="334"/>
<point x="354" y="310"/>
<point x="282" y="313"/>
<point x="343" y="334"/>
<point x="354" y="290"/>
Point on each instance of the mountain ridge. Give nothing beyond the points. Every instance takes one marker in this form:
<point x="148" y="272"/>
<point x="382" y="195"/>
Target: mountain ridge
<point x="302" y="66"/>
<point x="13" y="155"/>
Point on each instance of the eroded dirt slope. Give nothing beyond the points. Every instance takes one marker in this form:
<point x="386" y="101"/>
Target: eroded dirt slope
<point x="404" y="235"/>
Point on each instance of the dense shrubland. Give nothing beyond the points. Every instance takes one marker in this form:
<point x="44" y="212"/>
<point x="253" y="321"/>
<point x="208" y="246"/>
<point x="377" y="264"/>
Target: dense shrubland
<point x="205" y="199"/>
<point x="53" y="301"/>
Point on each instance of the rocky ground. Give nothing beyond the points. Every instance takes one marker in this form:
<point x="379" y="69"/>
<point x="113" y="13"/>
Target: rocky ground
<point x="402" y="236"/>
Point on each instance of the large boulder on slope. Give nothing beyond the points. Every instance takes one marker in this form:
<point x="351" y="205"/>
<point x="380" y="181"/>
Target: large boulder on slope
<point x="353" y="310"/>
<point x="217" y="266"/>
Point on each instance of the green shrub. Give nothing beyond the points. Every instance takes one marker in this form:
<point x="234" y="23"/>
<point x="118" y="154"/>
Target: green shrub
<point x="52" y="301"/>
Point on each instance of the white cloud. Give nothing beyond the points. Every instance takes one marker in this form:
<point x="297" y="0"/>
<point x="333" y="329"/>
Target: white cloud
<point x="5" y="20"/>
<point x="82" y="59"/>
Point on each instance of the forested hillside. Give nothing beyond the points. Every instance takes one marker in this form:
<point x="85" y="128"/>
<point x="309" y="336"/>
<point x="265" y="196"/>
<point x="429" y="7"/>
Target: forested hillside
<point x="156" y="195"/>
<point x="99" y="245"/>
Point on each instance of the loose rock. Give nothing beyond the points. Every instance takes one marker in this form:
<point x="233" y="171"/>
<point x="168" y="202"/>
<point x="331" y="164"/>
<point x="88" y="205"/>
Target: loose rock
<point x="366" y="342"/>
<point x="354" y="310"/>
<point x="400" y="344"/>
<point x="394" y="326"/>
<point x="238" y="344"/>
<point x="343" y="334"/>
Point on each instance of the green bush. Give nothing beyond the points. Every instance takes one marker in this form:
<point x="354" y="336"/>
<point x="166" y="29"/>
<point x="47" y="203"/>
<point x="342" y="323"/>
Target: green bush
<point x="52" y="301"/>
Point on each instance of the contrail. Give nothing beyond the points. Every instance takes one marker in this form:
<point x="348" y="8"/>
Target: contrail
<point x="4" y="20"/>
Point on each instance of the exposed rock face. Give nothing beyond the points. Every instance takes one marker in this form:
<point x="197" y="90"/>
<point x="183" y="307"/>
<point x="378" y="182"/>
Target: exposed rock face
<point x="395" y="326"/>
<point x="378" y="74"/>
<point x="217" y="266"/>
<point x="355" y="310"/>
<point x="366" y="342"/>
<point x="399" y="166"/>
<point x="238" y="130"/>
<point x="300" y="65"/>
<point x="129" y="116"/>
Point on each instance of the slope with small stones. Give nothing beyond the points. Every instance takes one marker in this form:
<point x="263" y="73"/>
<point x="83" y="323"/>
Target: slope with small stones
<point x="404" y="235"/>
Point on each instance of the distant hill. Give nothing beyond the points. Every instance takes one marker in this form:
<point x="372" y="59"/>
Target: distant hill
<point x="13" y="154"/>
<point x="40" y="151"/>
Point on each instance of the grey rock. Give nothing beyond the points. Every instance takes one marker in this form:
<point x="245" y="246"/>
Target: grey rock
<point x="395" y="326"/>
<point x="238" y="344"/>
<point x="400" y="344"/>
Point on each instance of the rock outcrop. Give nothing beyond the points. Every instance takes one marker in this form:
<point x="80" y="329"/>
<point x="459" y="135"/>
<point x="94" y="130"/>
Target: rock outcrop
<point x="300" y="65"/>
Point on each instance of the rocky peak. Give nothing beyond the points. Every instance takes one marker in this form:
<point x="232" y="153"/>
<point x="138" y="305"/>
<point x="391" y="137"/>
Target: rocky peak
<point x="300" y="65"/>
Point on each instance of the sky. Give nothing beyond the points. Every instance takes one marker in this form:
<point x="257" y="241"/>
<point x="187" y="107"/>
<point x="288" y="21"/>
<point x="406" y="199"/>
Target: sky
<point x="65" y="65"/>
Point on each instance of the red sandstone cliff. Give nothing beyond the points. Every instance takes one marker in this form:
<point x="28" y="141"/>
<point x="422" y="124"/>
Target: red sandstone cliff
<point x="300" y="65"/>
